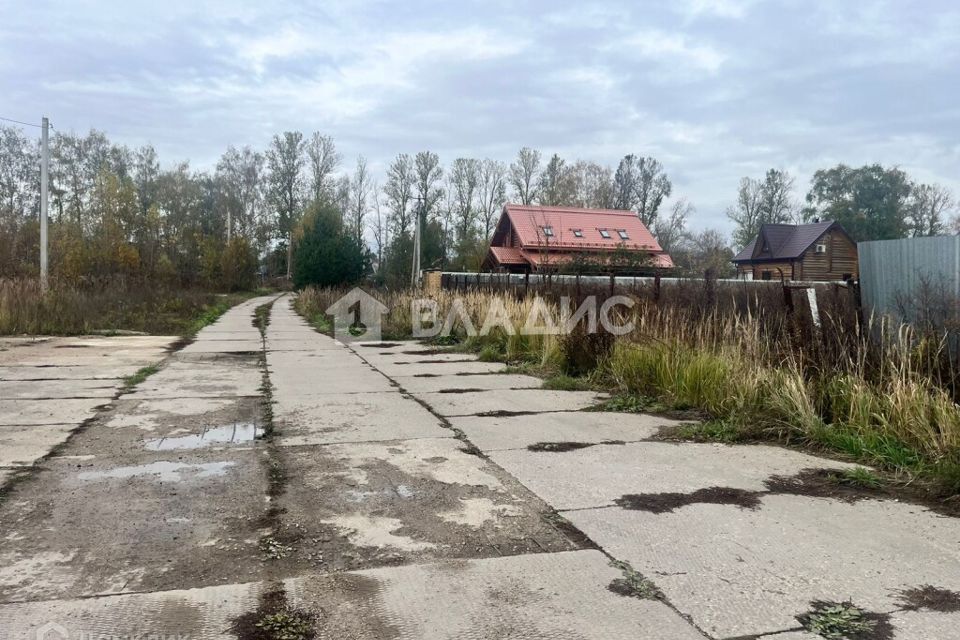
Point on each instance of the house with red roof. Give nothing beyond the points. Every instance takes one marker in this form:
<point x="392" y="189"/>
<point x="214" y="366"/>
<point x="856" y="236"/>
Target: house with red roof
<point x="819" y="251"/>
<point x="555" y="239"/>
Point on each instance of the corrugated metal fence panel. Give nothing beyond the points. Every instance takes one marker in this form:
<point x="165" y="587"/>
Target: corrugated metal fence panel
<point x="889" y="268"/>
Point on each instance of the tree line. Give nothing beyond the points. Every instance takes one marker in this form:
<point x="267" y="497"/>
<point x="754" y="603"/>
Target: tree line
<point x="872" y="202"/>
<point x="296" y="209"/>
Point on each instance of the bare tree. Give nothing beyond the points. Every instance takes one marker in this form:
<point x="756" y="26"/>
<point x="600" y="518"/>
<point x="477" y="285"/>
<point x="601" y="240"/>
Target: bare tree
<point x="493" y="193"/>
<point x="776" y="197"/>
<point x="641" y="185"/>
<point x="593" y="185"/>
<point x="429" y="174"/>
<point x="930" y="205"/>
<point x="324" y="159"/>
<point x="238" y="176"/>
<point x="285" y="185"/>
<point x="747" y="213"/>
<point x="525" y="175"/>
<point x="671" y="230"/>
<point x="464" y="182"/>
<point x="399" y="193"/>
<point x="360" y="187"/>
<point x="762" y="202"/>
<point x="557" y="186"/>
<point x="380" y="227"/>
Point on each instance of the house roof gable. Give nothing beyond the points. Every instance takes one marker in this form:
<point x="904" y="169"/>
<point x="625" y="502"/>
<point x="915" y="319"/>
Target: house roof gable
<point x="529" y="222"/>
<point x="785" y="241"/>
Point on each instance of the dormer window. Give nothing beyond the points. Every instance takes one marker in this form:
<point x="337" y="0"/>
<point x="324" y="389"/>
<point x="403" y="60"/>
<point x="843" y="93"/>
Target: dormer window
<point x="547" y="231"/>
<point x="577" y="233"/>
<point x="623" y="234"/>
<point x="604" y="234"/>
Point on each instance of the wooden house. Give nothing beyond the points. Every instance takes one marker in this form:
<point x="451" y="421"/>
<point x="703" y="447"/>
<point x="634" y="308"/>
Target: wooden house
<point x="821" y="251"/>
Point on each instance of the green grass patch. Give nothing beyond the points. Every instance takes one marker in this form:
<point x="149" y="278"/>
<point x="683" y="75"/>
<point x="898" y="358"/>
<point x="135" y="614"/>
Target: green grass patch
<point x="563" y="382"/>
<point x="709" y="431"/>
<point x="261" y="317"/>
<point x="145" y="372"/>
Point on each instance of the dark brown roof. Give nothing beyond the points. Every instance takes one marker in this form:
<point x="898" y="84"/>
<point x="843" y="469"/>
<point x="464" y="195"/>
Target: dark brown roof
<point x="784" y="241"/>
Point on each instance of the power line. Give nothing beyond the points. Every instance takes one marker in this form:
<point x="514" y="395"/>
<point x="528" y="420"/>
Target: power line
<point x="27" y="124"/>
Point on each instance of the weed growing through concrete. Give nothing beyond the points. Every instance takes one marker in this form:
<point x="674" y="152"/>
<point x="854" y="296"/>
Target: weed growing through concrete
<point x="274" y="619"/>
<point x="145" y="372"/>
<point x="633" y="584"/>
<point x="285" y="625"/>
<point x="273" y="549"/>
<point x="844" y="621"/>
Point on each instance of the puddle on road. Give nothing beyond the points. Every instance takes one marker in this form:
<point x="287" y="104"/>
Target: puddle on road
<point x="163" y="471"/>
<point x="228" y="434"/>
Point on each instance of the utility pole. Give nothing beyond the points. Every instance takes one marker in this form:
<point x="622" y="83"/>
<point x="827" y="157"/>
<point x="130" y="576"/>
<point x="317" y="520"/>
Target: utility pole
<point x="229" y="224"/>
<point x="44" y="193"/>
<point x="415" y="273"/>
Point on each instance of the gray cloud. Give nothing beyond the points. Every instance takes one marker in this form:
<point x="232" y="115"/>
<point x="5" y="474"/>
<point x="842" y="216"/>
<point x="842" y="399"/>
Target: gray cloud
<point x="716" y="89"/>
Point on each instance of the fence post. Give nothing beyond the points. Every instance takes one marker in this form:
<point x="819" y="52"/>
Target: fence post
<point x="613" y="284"/>
<point x="656" y="288"/>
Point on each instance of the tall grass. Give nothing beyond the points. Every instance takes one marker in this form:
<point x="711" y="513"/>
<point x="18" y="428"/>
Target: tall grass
<point x="70" y="309"/>
<point x="878" y="396"/>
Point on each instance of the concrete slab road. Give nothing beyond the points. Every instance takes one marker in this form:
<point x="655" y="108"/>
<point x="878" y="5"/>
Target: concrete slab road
<point x="285" y="485"/>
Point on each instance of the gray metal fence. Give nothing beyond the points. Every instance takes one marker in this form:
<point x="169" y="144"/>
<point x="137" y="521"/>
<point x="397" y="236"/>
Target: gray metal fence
<point x="895" y="273"/>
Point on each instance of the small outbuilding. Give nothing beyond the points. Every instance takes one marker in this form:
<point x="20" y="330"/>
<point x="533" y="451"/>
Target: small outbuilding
<point x="555" y="239"/>
<point x="820" y="251"/>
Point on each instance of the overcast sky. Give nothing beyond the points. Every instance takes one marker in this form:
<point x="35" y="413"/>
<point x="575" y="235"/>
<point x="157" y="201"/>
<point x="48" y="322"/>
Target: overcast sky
<point x="715" y="89"/>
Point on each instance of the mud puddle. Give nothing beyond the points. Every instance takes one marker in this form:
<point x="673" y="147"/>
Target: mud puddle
<point x="239" y="433"/>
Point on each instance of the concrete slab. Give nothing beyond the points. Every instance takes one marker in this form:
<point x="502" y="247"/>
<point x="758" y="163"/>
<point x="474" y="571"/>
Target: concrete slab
<point x="519" y="400"/>
<point x="386" y="503"/>
<point x="111" y="372"/>
<point x="197" y="614"/>
<point x="132" y="427"/>
<point x="179" y="378"/>
<point x="89" y="525"/>
<point x="224" y="346"/>
<point x="561" y="595"/>
<point x="377" y="358"/>
<point x="519" y="432"/>
<point x="742" y="572"/>
<point x="492" y="382"/>
<point x="41" y="389"/>
<point x="596" y="476"/>
<point x="23" y="445"/>
<point x="924" y="625"/>
<point x="63" y="350"/>
<point x="58" y="411"/>
<point x="353" y="417"/>
<point x="440" y="368"/>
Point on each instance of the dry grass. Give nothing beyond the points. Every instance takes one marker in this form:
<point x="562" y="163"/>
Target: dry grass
<point x="884" y="401"/>
<point x="69" y="309"/>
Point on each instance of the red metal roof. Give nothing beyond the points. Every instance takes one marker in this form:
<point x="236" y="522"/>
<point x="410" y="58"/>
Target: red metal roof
<point x="529" y="222"/>
<point x="508" y="255"/>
